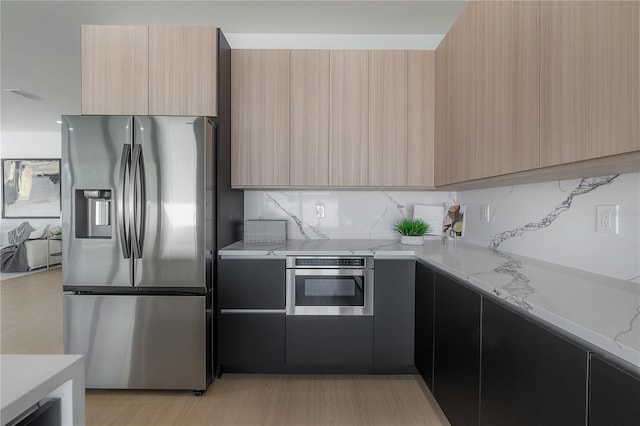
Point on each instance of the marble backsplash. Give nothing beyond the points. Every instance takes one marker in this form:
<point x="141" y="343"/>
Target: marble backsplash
<point x="551" y="221"/>
<point x="348" y="214"/>
<point x="556" y="222"/>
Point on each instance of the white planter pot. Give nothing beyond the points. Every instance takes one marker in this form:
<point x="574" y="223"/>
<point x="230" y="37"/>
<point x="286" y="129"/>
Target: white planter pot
<point x="412" y="241"/>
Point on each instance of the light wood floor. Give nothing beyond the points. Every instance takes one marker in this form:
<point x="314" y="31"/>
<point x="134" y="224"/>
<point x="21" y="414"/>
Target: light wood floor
<point x="31" y="322"/>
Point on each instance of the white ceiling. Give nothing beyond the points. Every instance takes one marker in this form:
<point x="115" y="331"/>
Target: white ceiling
<point x="40" y="40"/>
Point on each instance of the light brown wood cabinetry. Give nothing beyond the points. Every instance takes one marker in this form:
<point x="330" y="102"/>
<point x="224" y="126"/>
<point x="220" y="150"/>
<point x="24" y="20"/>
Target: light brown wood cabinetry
<point x="115" y="69"/>
<point x="590" y="80"/>
<point x="309" y="126"/>
<point x="506" y="87"/>
<point x="387" y="118"/>
<point x="260" y="117"/>
<point x="149" y="70"/>
<point x="557" y="93"/>
<point x="183" y="71"/>
<point x="455" y="97"/>
<point x="356" y="119"/>
<point x="420" y="117"/>
<point x="348" y="118"/>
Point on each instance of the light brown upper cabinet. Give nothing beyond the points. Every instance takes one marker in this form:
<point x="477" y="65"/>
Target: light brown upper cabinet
<point x="115" y="69"/>
<point x="309" y="127"/>
<point x="149" y="70"/>
<point x="420" y="117"/>
<point x="183" y="71"/>
<point x="455" y="100"/>
<point x="506" y="87"/>
<point x="387" y="118"/>
<point x="590" y="80"/>
<point x="260" y="117"/>
<point x="348" y="118"/>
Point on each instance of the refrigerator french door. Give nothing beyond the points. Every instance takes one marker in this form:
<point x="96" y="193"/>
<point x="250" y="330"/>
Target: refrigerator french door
<point x="138" y="195"/>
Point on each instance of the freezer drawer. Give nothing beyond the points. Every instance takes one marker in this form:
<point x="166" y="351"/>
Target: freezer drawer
<point x="139" y="342"/>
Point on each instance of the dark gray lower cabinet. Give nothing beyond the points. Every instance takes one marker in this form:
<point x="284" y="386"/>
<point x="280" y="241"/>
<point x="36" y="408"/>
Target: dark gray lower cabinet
<point x="530" y="375"/>
<point x="329" y="340"/>
<point x="614" y="395"/>
<point x="425" y="295"/>
<point x="251" y="342"/>
<point x="394" y="314"/>
<point x="456" y="373"/>
<point x="251" y="284"/>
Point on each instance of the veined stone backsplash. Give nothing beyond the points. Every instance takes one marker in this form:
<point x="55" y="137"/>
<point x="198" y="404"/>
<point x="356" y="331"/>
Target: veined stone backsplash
<point x="552" y="221"/>
<point x="348" y="214"/>
<point x="556" y="222"/>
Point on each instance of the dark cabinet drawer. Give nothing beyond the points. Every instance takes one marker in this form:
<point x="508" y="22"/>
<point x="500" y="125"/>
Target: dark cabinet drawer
<point x="329" y="340"/>
<point x="456" y="374"/>
<point x="425" y="297"/>
<point x="251" y="342"/>
<point x="614" y="395"/>
<point x="394" y="315"/>
<point x="251" y="284"/>
<point x="530" y="375"/>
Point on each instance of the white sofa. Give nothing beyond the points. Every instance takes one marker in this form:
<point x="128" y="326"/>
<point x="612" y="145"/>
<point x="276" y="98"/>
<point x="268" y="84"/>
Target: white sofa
<point x="37" y="252"/>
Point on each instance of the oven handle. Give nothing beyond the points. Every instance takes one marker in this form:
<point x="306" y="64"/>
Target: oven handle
<point x="331" y="272"/>
<point x="252" y="311"/>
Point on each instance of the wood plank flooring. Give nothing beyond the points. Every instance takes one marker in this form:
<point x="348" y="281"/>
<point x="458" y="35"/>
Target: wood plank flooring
<point x="31" y="322"/>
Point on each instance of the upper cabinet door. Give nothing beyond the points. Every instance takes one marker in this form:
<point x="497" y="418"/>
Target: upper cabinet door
<point x="260" y="117"/>
<point x="590" y="80"/>
<point x="420" y="117"/>
<point x="507" y="75"/>
<point x="183" y="71"/>
<point x="455" y="98"/>
<point x="349" y="118"/>
<point x="388" y="118"/>
<point x="309" y="127"/>
<point x="115" y="69"/>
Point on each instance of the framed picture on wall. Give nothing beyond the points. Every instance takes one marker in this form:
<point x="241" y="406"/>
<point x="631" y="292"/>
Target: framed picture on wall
<point x="30" y="187"/>
<point x="454" y="220"/>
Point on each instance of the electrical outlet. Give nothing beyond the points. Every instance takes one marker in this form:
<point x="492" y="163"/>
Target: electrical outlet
<point x="607" y="219"/>
<point x="319" y="210"/>
<point x="485" y="213"/>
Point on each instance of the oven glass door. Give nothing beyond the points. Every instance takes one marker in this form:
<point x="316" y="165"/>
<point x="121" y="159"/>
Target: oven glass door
<point x="329" y="290"/>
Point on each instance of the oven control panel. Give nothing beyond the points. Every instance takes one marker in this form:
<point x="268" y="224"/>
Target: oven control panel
<point x="329" y="262"/>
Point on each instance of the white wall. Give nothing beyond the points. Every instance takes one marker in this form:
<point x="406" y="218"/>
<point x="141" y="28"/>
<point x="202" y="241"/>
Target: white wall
<point x="571" y="238"/>
<point x="28" y="145"/>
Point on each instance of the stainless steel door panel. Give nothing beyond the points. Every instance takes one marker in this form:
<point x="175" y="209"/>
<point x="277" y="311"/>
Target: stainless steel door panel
<point x="138" y="342"/>
<point x="91" y="155"/>
<point x="173" y="248"/>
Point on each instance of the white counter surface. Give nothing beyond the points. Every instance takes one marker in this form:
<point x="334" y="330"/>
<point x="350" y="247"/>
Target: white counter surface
<point x="601" y="310"/>
<point x="27" y="379"/>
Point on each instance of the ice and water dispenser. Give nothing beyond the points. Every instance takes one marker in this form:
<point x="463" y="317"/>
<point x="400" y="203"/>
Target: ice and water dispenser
<point x="93" y="213"/>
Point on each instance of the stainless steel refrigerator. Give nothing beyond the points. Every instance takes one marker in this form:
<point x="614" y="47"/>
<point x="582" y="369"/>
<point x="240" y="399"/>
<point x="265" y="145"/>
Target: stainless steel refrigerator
<point x="141" y="203"/>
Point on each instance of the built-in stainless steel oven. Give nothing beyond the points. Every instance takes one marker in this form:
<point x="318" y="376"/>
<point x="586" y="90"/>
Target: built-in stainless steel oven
<point x="329" y="285"/>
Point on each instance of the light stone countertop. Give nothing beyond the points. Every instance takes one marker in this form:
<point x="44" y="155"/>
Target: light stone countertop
<point x="601" y="310"/>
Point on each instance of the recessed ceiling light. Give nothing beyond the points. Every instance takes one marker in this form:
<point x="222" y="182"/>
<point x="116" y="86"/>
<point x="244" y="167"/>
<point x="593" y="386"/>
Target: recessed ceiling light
<point x="25" y="94"/>
<point x="58" y="121"/>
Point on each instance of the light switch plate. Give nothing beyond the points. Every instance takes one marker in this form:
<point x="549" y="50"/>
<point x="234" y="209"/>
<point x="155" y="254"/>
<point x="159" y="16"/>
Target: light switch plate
<point x="607" y="219"/>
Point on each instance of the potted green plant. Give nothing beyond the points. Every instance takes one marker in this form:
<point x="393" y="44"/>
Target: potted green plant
<point x="412" y="231"/>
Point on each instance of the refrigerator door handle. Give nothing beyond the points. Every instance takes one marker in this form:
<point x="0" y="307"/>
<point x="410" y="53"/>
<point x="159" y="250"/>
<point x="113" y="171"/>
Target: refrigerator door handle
<point x="125" y="166"/>
<point x="139" y="197"/>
